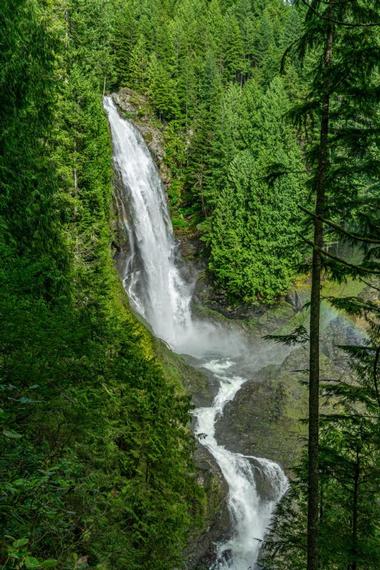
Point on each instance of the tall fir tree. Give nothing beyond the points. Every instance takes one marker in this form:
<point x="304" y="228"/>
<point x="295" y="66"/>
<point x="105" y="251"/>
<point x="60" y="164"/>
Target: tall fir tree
<point x="344" y="72"/>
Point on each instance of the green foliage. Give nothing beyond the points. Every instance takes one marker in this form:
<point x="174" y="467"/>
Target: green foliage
<point x="213" y="79"/>
<point x="162" y="89"/>
<point x="353" y="141"/>
<point x="253" y="229"/>
<point x="95" y="468"/>
<point x="339" y="477"/>
<point x="349" y="472"/>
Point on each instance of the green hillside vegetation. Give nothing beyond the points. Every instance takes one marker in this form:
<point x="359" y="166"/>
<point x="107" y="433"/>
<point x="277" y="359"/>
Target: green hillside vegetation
<point x="275" y="170"/>
<point x="211" y="70"/>
<point x="95" y="449"/>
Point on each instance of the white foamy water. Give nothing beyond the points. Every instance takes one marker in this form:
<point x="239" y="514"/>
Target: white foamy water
<point x="161" y="295"/>
<point x="250" y="514"/>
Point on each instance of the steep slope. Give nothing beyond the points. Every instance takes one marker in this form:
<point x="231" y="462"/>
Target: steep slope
<point x="96" y="466"/>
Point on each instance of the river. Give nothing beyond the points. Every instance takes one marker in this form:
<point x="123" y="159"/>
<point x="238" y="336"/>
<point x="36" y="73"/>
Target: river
<point x="159" y="292"/>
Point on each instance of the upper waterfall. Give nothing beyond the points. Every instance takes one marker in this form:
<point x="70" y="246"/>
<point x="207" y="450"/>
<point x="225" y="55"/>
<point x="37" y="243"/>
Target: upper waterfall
<point x="154" y="283"/>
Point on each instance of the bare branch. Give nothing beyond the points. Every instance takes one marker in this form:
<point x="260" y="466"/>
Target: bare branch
<point x="338" y="259"/>
<point x="375" y="365"/>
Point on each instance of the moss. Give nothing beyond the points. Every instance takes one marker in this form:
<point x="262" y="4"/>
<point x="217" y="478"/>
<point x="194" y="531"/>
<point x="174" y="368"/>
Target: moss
<point x="184" y="377"/>
<point x="350" y="288"/>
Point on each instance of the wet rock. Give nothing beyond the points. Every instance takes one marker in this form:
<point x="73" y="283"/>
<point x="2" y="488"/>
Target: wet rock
<point x="120" y="243"/>
<point x="339" y="331"/>
<point x="263" y="419"/>
<point x="201" y="551"/>
<point x="190" y="247"/>
<point x="135" y="107"/>
<point x="295" y="299"/>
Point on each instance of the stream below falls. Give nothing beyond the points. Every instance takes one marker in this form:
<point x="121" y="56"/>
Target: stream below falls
<point x="159" y="292"/>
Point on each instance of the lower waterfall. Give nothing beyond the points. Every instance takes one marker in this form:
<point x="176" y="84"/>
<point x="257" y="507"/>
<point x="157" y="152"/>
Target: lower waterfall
<point x="158" y="292"/>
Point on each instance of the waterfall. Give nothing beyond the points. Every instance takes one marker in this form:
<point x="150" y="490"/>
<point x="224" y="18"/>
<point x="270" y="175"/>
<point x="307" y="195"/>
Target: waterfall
<point x="159" y="293"/>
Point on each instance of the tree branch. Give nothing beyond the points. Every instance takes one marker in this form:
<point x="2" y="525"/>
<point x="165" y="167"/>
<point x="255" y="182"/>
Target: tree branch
<point x="338" y="22"/>
<point x="337" y="259"/>
<point x="340" y="229"/>
<point x="376" y="362"/>
<point x="369" y="284"/>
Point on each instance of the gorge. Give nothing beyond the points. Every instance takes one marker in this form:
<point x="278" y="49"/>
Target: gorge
<point x="189" y="317"/>
<point x="159" y="293"/>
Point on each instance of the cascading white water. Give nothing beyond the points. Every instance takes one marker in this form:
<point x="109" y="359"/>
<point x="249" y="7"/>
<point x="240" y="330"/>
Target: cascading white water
<point x="161" y="295"/>
<point x="250" y="514"/>
<point x="153" y="281"/>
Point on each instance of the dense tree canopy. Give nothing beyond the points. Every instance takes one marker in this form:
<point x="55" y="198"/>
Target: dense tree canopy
<point x="95" y="449"/>
<point x="211" y="71"/>
<point x="95" y="466"/>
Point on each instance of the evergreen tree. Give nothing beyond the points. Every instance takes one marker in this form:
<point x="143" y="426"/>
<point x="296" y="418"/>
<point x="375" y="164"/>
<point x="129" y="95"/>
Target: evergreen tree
<point x="349" y="465"/>
<point x="343" y="72"/>
<point x="95" y="462"/>
<point x="162" y="89"/>
<point x="234" y="64"/>
<point x="253" y="229"/>
<point x="138" y="65"/>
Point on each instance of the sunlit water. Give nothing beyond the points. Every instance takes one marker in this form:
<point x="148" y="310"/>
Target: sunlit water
<point x="158" y="292"/>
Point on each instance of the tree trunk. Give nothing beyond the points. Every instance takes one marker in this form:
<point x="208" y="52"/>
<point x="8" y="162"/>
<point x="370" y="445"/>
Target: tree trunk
<point x="355" y="500"/>
<point x="320" y="206"/>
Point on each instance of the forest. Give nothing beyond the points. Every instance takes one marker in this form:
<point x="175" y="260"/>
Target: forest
<point x="270" y="120"/>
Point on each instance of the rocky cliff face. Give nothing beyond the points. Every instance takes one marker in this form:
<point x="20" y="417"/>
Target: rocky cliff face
<point x="135" y="107"/>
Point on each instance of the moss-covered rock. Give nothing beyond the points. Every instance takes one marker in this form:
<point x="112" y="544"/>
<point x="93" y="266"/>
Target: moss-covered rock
<point x="216" y="520"/>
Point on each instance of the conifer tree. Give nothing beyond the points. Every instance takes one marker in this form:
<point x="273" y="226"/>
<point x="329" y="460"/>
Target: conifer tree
<point x="252" y="229"/>
<point x="162" y="89"/>
<point x="343" y="100"/>
<point x="88" y="421"/>
<point x="349" y="463"/>
<point x="234" y="64"/>
<point x="138" y="65"/>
